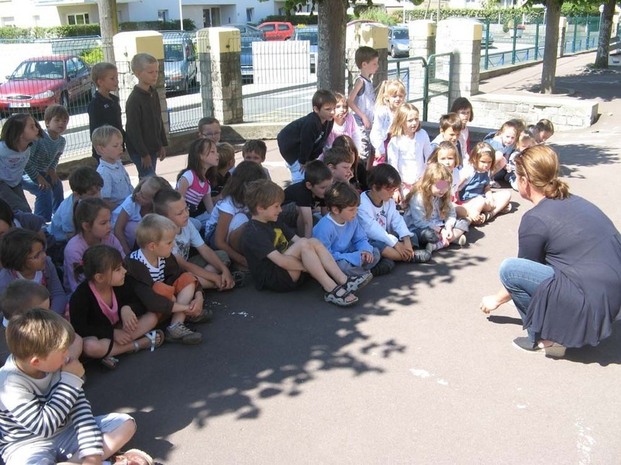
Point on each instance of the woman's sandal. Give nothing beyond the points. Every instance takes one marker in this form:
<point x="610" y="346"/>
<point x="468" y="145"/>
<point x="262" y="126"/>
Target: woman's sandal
<point x="152" y="337"/>
<point x="110" y="362"/>
<point x="133" y="457"/>
<point x="340" y="296"/>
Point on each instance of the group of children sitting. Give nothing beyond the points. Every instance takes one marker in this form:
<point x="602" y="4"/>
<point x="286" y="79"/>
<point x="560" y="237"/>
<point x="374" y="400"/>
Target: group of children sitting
<point x="134" y="261"/>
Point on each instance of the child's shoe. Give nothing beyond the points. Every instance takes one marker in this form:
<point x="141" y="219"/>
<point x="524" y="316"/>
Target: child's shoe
<point x="428" y="235"/>
<point x="356" y="282"/>
<point x="179" y="332"/>
<point x="204" y="316"/>
<point x="132" y="457"/>
<point x="433" y="247"/>
<point x="463" y="240"/>
<point x="384" y="266"/>
<point x="422" y="255"/>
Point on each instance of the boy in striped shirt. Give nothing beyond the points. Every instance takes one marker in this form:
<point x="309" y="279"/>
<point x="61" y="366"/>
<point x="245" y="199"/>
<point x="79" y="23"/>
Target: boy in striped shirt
<point x="44" y="415"/>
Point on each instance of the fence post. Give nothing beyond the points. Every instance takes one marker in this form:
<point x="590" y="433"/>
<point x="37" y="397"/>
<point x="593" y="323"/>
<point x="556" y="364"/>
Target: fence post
<point x="128" y="44"/>
<point x="513" y="49"/>
<point x="573" y="45"/>
<point x="538" y="23"/>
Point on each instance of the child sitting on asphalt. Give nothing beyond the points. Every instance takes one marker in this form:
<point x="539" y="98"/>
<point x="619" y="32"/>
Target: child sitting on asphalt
<point x="40" y="178"/>
<point x="210" y="271"/>
<point x="44" y="413"/>
<point x="302" y="198"/>
<point x="255" y="150"/>
<point x="278" y="259"/>
<point x="159" y="284"/>
<point x="303" y="140"/>
<point x="342" y="234"/>
<point x="340" y="162"/>
<point x="108" y="143"/>
<point x="450" y="128"/>
<point x="383" y="223"/>
<point x="226" y="163"/>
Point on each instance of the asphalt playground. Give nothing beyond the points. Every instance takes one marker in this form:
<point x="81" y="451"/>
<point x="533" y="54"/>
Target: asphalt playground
<point x="413" y="374"/>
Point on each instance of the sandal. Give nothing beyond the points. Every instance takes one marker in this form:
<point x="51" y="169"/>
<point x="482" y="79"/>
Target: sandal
<point x="340" y="296"/>
<point x="152" y="337"/>
<point x="109" y="362"/>
<point x="133" y="457"/>
<point x="508" y="208"/>
<point x="356" y="282"/>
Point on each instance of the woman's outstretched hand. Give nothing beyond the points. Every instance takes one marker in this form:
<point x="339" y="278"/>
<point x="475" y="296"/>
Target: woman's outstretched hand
<point x="489" y="303"/>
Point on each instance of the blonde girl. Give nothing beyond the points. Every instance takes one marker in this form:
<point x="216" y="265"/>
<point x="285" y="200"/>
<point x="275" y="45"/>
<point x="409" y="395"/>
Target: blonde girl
<point x="463" y="108"/>
<point x="92" y="221"/>
<point x="503" y="143"/>
<point x="344" y="124"/>
<point x="475" y="192"/>
<point x="409" y="146"/>
<point x="193" y="182"/>
<point x="101" y="313"/>
<point x="390" y="97"/>
<point x="125" y="217"/>
<point x="430" y="213"/>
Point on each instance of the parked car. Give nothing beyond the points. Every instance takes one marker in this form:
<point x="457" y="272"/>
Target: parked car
<point x="39" y="82"/>
<point x="251" y="32"/>
<point x="398" y="41"/>
<point x="309" y="33"/>
<point x="277" y="30"/>
<point x="180" y="70"/>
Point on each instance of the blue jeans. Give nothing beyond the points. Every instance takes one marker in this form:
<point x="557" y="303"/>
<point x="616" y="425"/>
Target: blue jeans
<point x="521" y="278"/>
<point x="296" y="174"/>
<point x="46" y="200"/>
<point x="142" y="172"/>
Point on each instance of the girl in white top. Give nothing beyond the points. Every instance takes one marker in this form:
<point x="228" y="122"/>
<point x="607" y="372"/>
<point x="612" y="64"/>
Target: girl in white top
<point x="228" y="219"/>
<point x="463" y="108"/>
<point x="409" y="147"/>
<point x="390" y="97"/>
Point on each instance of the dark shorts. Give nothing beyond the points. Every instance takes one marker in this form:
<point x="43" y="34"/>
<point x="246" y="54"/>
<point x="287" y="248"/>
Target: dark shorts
<point x="279" y="280"/>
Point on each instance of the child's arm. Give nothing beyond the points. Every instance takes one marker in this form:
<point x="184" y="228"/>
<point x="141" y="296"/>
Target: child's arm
<point x="119" y="230"/>
<point x="286" y="262"/>
<point x="182" y="186"/>
<point x="106" y="190"/>
<point x="199" y="271"/>
<point x="58" y="298"/>
<point x="220" y="235"/>
<point x="208" y="202"/>
<point x="379" y="130"/>
<point x="90" y="438"/>
<point x="226" y="280"/>
<point x="351" y="103"/>
<point x="373" y="229"/>
<point x="51" y="171"/>
<point x="305" y="215"/>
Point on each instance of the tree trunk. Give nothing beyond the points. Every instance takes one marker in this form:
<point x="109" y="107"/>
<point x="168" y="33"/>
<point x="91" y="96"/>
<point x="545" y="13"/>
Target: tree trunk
<point x="605" y="29"/>
<point x="109" y="26"/>
<point x="553" y="15"/>
<point x="332" y="19"/>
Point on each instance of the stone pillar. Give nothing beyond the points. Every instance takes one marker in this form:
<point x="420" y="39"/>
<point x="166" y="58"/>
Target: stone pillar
<point x="462" y="37"/>
<point x="562" y="34"/>
<point x="422" y="44"/>
<point x="370" y="35"/>
<point x="219" y="55"/>
<point x="128" y="44"/>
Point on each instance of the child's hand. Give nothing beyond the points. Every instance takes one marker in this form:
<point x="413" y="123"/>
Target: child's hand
<point x="366" y="257"/>
<point x="53" y="176"/>
<point x="367" y="123"/>
<point x="447" y="234"/>
<point x="146" y="162"/>
<point x="129" y="319"/>
<point x="122" y="337"/>
<point x="196" y="305"/>
<point x="405" y="251"/>
<point x="226" y="280"/>
<point x="43" y="184"/>
<point x="74" y="367"/>
<point x="162" y="153"/>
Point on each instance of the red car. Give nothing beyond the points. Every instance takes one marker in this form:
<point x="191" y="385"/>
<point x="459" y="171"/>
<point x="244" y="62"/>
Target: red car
<point x="277" y="30"/>
<point x="42" y="81"/>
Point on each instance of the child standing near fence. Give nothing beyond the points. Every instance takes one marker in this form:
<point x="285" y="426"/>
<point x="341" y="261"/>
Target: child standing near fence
<point x="40" y="178"/>
<point x="108" y="143"/>
<point x="361" y="99"/>
<point x="463" y="108"/>
<point x="390" y="97"/>
<point x="105" y="108"/>
<point x="146" y="136"/>
<point x="409" y="147"/>
<point x="18" y="134"/>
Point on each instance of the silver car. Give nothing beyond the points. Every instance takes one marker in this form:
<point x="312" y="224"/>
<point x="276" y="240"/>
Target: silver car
<point x="398" y="41"/>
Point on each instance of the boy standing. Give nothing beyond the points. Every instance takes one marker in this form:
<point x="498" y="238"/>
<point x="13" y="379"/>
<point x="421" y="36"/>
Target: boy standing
<point x="146" y="136"/>
<point x="154" y="277"/>
<point x="342" y="234"/>
<point x="303" y="140"/>
<point x="209" y="128"/>
<point x="44" y="414"/>
<point x="105" y="108"/>
<point x="278" y="259"/>
<point x="210" y="271"/>
<point x="307" y="195"/>
<point x="40" y="178"/>
<point x="362" y="97"/>
<point x="108" y="143"/>
<point x="255" y="150"/>
<point x="450" y="129"/>
<point x="84" y="182"/>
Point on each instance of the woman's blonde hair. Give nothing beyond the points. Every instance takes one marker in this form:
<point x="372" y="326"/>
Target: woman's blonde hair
<point x="540" y="166"/>
<point x="433" y="173"/>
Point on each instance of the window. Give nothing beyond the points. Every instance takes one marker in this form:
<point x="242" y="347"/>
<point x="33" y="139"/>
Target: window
<point x="268" y="27"/>
<point x="162" y="15"/>
<point x="249" y="15"/>
<point x="7" y="21"/>
<point x="78" y="18"/>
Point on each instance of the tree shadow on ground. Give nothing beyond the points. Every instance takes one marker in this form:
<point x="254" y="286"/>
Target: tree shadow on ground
<point x="576" y="156"/>
<point x="260" y="345"/>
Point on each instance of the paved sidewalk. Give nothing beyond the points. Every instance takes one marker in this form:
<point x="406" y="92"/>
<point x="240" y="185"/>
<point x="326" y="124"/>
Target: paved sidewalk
<point x="414" y="373"/>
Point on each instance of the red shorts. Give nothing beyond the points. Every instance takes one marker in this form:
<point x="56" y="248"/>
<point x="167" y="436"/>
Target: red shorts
<point x="184" y="280"/>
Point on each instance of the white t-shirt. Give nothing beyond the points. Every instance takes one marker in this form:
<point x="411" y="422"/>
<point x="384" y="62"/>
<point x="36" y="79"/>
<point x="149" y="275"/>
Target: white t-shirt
<point x="188" y="237"/>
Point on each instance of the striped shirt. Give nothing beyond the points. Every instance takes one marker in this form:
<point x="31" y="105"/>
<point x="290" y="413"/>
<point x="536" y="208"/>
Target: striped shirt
<point x="157" y="274"/>
<point x="44" y="154"/>
<point x="32" y="409"/>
